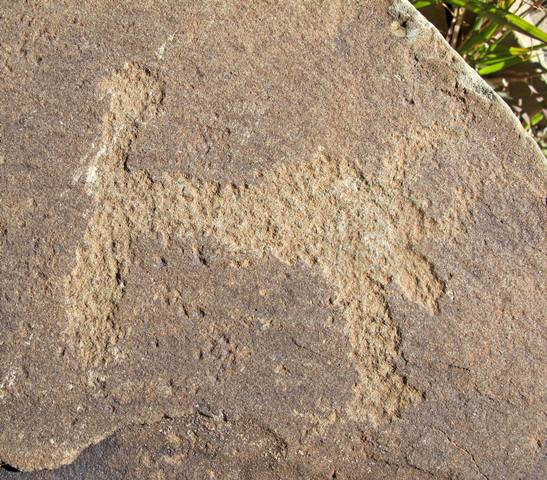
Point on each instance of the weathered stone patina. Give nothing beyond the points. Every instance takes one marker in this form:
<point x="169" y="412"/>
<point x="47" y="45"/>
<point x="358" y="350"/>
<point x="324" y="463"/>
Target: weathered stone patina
<point x="263" y="240"/>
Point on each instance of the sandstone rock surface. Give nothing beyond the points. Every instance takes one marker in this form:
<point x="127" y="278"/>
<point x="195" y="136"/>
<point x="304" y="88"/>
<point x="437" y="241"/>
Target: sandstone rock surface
<point x="263" y="240"/>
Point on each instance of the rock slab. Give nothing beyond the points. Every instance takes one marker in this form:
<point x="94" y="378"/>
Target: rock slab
<point x="263" y="240"/>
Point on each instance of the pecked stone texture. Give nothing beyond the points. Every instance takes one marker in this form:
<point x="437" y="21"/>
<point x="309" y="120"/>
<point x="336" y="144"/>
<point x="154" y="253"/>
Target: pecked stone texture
<point x="263" y="240"/>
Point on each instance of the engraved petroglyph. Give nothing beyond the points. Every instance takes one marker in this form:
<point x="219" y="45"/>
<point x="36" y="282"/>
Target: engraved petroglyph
<point x="360" y="232"/>
<point x="95" y="286"/>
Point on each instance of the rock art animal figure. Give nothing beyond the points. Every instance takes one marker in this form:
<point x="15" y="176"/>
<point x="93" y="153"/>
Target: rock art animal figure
<point x="360" y="233"/>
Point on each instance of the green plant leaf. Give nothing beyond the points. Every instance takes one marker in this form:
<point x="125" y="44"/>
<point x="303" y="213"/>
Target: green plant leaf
<point x="495" y="66"/>
<point x="482" y="34"/>
<point x="502" y="16"/>
<point x="538" y="117"/>
<point x="425" y="3"/>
